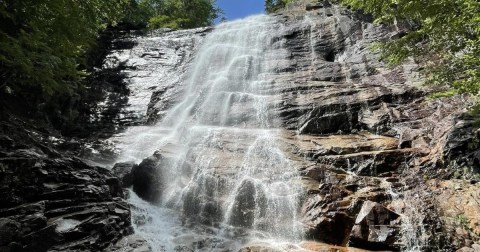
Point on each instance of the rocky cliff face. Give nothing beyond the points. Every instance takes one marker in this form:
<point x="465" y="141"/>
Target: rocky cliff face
<point x="379" y="165"/>
<point x="50" y="201"/>
<point x="371" y="136"/>
<point x="365" y="137"/>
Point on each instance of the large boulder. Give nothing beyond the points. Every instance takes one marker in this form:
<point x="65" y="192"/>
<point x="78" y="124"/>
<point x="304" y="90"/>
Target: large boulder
<point x="124" y="172"/>
<point x="248" y="201"/>
<point x="376" y="227"/>
<point x="131" y="243"/>
<point x="320" y="224"/>
<point x="147" y="178"/>
<point x="333" y="228"/>
<point x="9" y="230"/>
<point x="462" y="146"/>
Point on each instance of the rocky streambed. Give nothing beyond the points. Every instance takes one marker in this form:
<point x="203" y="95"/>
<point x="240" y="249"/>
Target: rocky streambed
<point x="323" y="144"/>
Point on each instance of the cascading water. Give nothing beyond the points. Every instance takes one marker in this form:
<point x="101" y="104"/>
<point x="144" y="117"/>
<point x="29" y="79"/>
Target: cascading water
<point x="409" y="205"/>
<point x="226" y="180"/>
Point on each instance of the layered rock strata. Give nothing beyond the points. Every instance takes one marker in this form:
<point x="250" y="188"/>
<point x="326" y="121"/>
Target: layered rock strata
<point x="53" y="202"/>
<point x="364" y="136"/>
<point x="371" y="134"/>
<point x="375" y="157"/>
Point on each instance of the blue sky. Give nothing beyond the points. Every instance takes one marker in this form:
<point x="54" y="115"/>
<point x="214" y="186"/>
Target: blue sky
<point x="235" y="9"/>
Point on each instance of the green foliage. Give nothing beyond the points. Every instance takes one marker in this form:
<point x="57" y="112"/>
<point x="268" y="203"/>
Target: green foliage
<point x="164" y="21"/>
<point x="175" y="14"/>
<point x="41" y="41"/>
<point x="446" y="93"/>
<point x="462" y="221"/>
<point x="136" y="14"/>
<point x="275" y="5"/>
<point x="445" y="36"/>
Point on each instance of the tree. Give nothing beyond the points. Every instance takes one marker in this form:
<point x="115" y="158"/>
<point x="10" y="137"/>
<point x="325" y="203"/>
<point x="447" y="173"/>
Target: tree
<point x="136" y="14"/>
<point x="275" y="5"/>
<point x="184" y="14"/>
<point x="444" y="36"/>
<point x="42" y="41"/>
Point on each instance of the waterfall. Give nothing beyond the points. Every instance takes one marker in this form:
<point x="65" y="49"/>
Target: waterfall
<point x="226" y="179"/>
<point x="410" y="207"/>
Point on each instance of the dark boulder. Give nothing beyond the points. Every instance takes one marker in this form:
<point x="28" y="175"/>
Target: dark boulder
<point x="9" y="230"/>
<point x="376" y="227"/>
<point x="245" y="204"/>
<point x="131" y="243"/>
<point x="462" y="146"/>
<point x="124" y="172"/>
<point x="201" y="202"/>
<point x="332" y="228"/>
<point x="147" y="178"/>
<point x="324" y="221"/>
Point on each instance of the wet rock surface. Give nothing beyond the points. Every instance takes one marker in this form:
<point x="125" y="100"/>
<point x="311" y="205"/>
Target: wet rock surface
<point x="375" y="227"/>
<point x="140" y="76"/>
<point x="131" y="243"/>
<point x="124" y="172"/>
<point x="462" y="148"/>
<point x="150" y="62"/>
<point x="147" y="179"/>
<point x="50" y="201"/>
<point x="304" y="246"/>
<point x="458" y="206"/>
<point x="366" y="136"/>
<point x="362" y="136"/>
<point x="374" y="155"/>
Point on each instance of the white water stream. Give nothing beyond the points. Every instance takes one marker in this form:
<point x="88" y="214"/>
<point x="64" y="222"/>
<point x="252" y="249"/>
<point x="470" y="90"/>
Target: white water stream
<point x="226" y="181"/>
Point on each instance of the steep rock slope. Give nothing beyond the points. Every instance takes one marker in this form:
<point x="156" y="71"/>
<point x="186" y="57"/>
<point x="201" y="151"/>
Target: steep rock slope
<point x="376" y="158"/>
<point x="371" y="135"/>
<point x="153" y="67"/>
<point x="365" y="137"/>
<point x="50" y="201"/>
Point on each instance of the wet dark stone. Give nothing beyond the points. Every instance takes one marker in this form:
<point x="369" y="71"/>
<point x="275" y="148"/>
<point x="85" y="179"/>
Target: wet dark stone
<point x="462" y="146"/>
<point x="315" y="6"/>
<point x="9" y="230"/>
<point x="332" y="229"/>
<point x="124" y="172"/>
<point x="243" y="211"/>
<point x="147" y="179"/>
<point x="376" y="227"/>
<point x="58" y="204"/>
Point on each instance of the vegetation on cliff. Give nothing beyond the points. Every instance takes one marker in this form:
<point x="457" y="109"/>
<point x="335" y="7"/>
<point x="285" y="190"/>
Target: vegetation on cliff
<point x="41" y="41"/>
<point x="47" y="47"/>
<point x="444" y="35"/>
<point x="175" y="14"/>
<point x="274" y="5"/>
